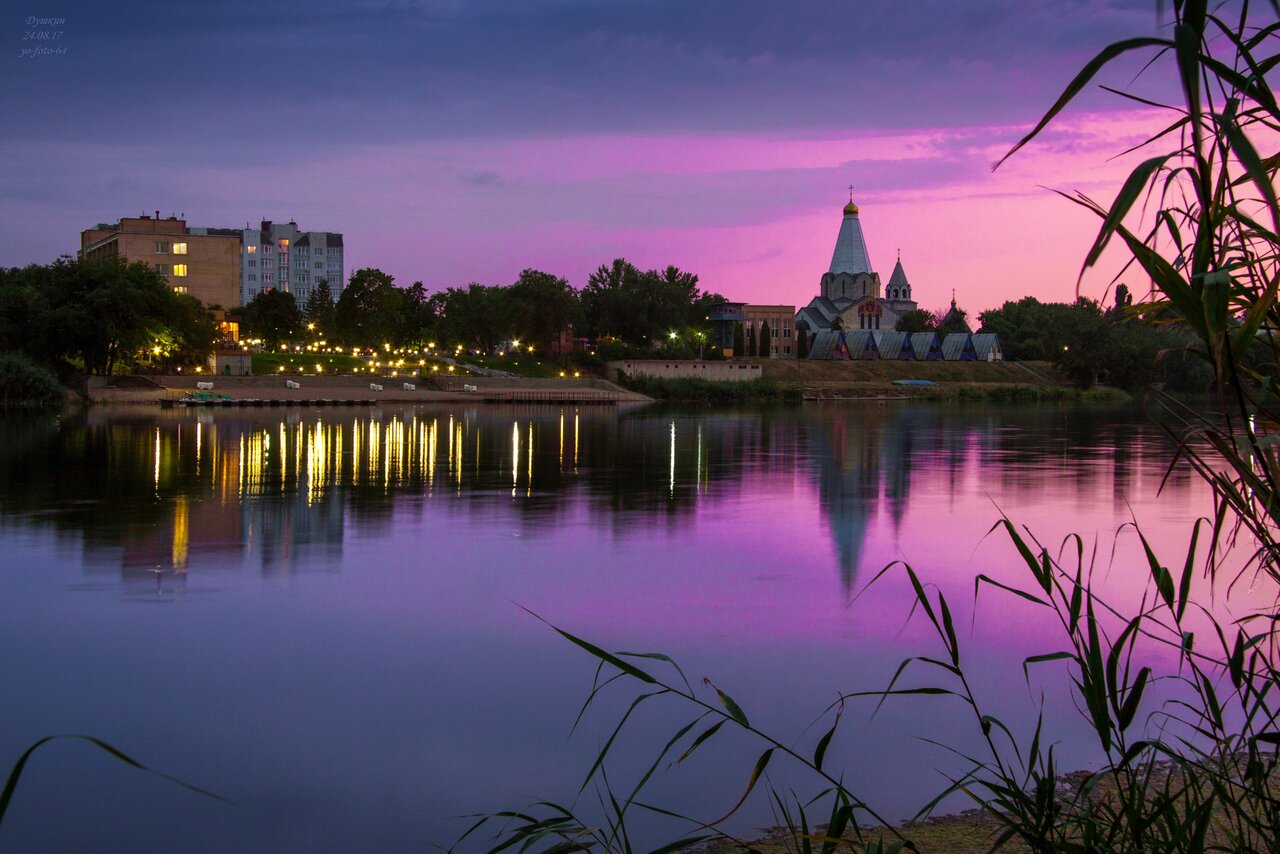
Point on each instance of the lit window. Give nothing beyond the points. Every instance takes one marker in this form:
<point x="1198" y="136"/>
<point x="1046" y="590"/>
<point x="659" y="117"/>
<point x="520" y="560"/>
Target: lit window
<point x="251" y="249"/>
<point x="284" y="244"/>
<point x="179" y="249"/>
<point x="162" y="248"/>
<point x="179" y="269"/>
<point x="179" y="289"/>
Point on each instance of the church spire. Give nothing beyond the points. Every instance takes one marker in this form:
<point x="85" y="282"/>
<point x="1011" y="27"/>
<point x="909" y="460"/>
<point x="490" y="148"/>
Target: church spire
<point x="850" y="255"/>
<point x="899" y="277"/>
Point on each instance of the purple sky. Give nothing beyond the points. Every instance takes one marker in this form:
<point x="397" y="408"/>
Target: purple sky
<point x="458" y="141"/>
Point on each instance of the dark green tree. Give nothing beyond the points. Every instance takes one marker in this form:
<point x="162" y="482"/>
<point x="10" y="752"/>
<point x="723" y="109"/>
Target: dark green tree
<point x="802" y="342"/>
<point x="188" y="333"/>
<point x="111" y="311"/>
<point x="321" y="310"/>
<point x="98" y="315"/>
<point x="368" y="312"/>
<point x="107" y="312"/>
<point x="478" y="317"/>
<point x="766" y="342"/>
<point x="607" y="300"/>
<point x="919" y="320"/>
<point x="273" y="316"/>
<point x="543" y="305"/>
<point x="620" y="301"/>
<point x="954" y="320"/>
<point x="417" y="317"/>
<point x="26" y="305"/>
<point x="751" y="340"/>
<point x="739" y="341"/>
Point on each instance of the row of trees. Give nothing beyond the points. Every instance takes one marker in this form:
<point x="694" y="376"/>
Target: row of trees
<point x="942" y="321"/>
<point x="1090" y="342"/>
<point x="752" y="345"/>
<point x="619" y="302"/>
<point x="100" y="316"/>
<point x="1087" y="341"/>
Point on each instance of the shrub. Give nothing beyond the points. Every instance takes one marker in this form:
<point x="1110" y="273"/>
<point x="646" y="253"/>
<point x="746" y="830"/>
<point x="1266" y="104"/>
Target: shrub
<point x="24" y="383"/>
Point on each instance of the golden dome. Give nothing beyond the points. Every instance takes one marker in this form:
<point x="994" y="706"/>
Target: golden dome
<point x="850" y="208"/>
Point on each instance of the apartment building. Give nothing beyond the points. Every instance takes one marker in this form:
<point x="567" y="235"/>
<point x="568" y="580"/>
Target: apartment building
<point x="224" y="267"/>
<point x="280" y="256"/>
<point x="202" y="262"/>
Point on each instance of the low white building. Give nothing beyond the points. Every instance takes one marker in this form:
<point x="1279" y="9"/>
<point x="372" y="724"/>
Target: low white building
<point x="230" y="363"/>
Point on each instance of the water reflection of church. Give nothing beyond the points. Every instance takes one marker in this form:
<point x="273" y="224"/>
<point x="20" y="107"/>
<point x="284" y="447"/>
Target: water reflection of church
<point x="861" y="466"/>
<point x="864" y="462"/>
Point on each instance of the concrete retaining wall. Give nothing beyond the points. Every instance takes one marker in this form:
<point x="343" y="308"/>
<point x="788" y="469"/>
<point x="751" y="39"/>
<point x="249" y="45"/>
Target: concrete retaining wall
<point x="678" y="368"/>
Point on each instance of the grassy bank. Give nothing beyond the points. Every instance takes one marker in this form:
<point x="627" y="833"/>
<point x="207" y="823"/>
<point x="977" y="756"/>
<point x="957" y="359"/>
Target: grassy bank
<point x="790" y="381"/>
<point x="1024" y="394"/>
<point x="334" y="363"/>
<point x="695" y="390"/>
<point x="884" y="371"/>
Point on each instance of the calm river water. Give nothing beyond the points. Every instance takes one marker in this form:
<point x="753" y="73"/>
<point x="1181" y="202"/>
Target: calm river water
<point x="318" y="614"/>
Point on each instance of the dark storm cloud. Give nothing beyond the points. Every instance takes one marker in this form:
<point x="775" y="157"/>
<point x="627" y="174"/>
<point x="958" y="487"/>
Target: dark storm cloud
<point x="326" y="73"/>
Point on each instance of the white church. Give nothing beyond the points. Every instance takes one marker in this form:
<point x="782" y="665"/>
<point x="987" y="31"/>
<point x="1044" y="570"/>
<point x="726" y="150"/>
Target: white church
<point x="850" y="294"/>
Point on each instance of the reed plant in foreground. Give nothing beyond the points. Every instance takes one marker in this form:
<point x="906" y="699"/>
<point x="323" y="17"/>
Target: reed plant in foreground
<point x="15" y="774"/>
<point x="1187" y="759"/>
<point x="1192" y="769"/>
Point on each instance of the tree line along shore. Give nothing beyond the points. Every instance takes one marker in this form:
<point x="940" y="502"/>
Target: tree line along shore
<point x="63" y="322"/>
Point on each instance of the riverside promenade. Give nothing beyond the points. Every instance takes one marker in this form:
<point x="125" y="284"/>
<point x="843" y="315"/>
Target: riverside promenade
<point x="274" y="390"/>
